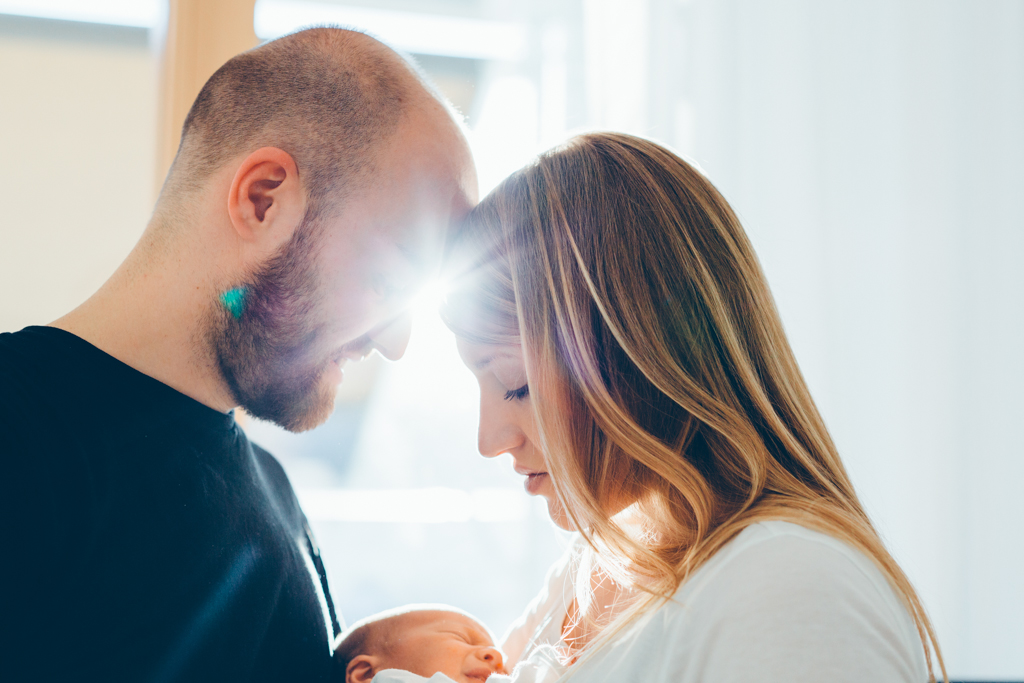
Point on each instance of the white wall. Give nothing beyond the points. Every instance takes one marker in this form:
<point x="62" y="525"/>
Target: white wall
<point x="77" y="145"/>
<point x="875" y="152"/>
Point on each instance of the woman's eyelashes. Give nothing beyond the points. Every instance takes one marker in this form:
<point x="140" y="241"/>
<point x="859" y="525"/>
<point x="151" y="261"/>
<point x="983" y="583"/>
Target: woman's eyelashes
<point x="518" y="394"/>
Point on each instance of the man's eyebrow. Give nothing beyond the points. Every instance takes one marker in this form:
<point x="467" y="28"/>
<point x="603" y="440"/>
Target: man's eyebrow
<point x="416" y="258"/>
<point x="413" y="254"/>
<point x="408" y="252"/>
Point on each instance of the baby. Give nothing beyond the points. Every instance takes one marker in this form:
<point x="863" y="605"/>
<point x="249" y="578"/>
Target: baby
<point x="416" y="643"/>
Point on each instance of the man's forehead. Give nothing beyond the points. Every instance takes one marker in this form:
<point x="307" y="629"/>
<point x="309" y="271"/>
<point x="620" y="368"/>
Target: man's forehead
<point x="387" y="248"/>
<point x="416" y="235"/>
<point x="417" y="191"/>
<point x="431" y="159"/>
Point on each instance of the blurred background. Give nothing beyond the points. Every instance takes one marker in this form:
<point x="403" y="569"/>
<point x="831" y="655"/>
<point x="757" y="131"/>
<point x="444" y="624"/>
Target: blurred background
<point x="872" y="148"/>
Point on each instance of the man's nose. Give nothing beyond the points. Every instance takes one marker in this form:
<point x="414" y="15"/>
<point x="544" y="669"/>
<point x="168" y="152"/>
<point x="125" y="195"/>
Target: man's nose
<point x="392" y="339"/>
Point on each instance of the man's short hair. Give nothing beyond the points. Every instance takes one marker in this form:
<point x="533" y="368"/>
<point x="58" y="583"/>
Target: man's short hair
<point x="326" y="96"/>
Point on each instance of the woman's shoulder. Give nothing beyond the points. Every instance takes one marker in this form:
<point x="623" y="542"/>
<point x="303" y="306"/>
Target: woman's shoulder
<point x="770" y="560"/>
<point x="793" y="601"/>
<point x="778" y="567"/>
<point x="781" y="553"/>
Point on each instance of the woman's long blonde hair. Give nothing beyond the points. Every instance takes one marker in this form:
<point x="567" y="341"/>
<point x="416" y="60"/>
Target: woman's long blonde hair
<point x="659" y="371"/>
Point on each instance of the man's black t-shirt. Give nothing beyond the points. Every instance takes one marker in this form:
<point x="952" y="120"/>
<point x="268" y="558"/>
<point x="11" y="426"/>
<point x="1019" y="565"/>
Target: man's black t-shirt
<point x="144" y="537"/>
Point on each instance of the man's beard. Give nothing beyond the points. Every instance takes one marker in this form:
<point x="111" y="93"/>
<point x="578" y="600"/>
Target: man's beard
<point x="268" y="351"/>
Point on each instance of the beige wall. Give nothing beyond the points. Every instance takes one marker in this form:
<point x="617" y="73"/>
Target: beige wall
<point x="77" y="145"/>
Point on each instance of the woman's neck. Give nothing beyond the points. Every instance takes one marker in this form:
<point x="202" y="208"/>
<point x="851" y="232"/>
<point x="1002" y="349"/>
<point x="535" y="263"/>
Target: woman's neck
<point x="607" y="601"/>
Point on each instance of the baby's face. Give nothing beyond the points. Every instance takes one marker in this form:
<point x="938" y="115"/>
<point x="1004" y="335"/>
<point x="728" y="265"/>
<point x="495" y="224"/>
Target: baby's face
<point x="427" y="642"/>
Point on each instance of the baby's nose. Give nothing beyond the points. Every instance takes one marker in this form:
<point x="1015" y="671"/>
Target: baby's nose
<point x="492" y="656"/>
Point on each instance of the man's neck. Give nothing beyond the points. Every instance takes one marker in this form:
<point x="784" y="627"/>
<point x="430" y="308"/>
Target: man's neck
<point x="153" y="316"/>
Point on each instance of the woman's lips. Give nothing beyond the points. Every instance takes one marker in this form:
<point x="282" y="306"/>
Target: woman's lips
<point x="534" y="481"/>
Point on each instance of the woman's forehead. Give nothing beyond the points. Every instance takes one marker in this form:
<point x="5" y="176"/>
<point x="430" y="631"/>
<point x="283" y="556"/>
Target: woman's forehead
<point x="479" y="356"/>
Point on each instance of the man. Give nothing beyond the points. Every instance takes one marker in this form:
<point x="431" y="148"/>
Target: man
<point x="145" y="538"/>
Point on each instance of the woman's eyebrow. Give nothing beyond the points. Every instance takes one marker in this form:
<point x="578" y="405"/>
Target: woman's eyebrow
<point x="490" y="358"/>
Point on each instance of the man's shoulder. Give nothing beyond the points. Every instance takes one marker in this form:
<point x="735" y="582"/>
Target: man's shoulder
<point x="37" y="364"/>
<point x="27" y="387"/>
<point x="19" y="356"/>
<point x="32" y="341"/>
<point x="277" y="483"/>
<point x="265" y="457"/>
<point x="45" y="509"/>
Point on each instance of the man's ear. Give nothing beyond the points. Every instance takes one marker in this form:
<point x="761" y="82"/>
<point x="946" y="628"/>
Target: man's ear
<point x="362" y="669"/>
<point x="266" y="201"/>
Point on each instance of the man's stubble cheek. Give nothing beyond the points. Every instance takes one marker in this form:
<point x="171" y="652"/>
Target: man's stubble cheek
<point x="271" y="355"/>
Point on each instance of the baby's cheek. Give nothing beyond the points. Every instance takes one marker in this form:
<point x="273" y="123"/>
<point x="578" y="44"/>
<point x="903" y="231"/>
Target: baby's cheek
<point x="450" y="660"/>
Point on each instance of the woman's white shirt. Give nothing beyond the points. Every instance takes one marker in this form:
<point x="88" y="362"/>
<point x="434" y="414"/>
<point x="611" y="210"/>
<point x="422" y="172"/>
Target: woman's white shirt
<point x="777" y="603"/>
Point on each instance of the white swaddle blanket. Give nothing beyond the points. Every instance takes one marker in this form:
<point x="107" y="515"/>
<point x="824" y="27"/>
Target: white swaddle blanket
<point x="542" y="666"/>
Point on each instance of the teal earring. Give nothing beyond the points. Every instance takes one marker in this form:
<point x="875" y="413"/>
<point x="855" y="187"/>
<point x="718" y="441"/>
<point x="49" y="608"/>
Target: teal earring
<point x="234" y="301"/>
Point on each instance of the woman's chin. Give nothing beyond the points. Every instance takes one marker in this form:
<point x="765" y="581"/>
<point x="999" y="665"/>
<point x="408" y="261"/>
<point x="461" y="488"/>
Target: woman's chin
<point x="557" y="514"/>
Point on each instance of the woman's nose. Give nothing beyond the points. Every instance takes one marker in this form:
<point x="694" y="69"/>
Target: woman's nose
<point x="494" y="439"/>
<point x="497" y="434"/>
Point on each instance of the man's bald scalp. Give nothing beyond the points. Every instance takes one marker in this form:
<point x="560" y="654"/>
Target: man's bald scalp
<point x="327" y="96"/>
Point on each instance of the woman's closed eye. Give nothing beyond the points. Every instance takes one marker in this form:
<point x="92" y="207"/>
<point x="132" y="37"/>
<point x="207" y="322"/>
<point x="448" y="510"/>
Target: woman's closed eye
<point x="518" y="394"/>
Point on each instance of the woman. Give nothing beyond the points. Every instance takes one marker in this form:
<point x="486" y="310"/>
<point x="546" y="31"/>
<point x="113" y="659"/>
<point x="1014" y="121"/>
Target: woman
<point x="631" y="360"/>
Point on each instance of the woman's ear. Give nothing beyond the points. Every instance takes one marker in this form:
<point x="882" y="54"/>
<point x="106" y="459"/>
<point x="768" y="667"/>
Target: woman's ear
<point x="361" y="669"/>
<point x="266" y="202"/>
